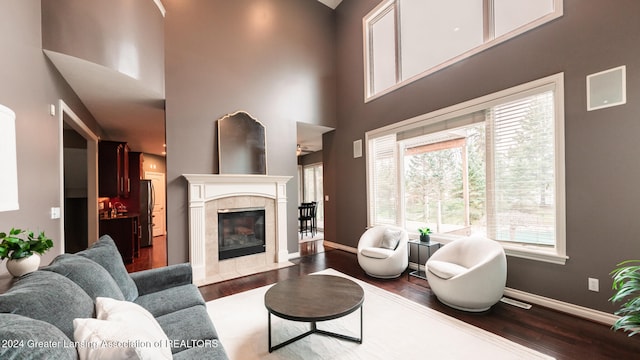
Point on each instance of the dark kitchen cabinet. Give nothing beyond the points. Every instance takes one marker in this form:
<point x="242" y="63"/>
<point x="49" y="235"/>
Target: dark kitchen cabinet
<point x="113" y="169"/>
<point x="124" y="230"/>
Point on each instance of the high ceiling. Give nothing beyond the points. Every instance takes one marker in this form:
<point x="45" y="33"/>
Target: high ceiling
<point x="128" y="112"/>
<point x="125" y="110"/>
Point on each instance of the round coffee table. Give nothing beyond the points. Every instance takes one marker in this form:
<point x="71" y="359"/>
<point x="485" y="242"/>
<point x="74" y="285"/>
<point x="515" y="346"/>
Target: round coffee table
<point x="313" y="298"/>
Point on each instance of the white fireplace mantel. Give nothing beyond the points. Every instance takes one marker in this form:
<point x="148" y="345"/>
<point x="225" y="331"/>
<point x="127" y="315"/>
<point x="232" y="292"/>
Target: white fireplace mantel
<point x="208" y="187"/>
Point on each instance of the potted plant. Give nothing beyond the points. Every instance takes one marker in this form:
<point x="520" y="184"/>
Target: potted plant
<point x="23" y="249"/>
<point x="626" y="283"/>
<point x="424" y="234"/>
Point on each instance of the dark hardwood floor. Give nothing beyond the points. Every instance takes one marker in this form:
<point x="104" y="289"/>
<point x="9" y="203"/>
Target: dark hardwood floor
<point x="550" y="332"/>
<point x="151" y="257"/>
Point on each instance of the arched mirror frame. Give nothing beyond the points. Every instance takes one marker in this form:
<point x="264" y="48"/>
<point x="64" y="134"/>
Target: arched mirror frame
<point x="242" y="145"/>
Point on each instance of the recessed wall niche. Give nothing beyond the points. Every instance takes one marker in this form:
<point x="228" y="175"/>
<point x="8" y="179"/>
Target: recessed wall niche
<point x="241" y="145"/>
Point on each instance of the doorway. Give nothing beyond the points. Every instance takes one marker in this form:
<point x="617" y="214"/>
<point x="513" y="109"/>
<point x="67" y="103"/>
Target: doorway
<point x="159" y="208"/>
<point x="76" y="235"/>
<point x="79" y="181"/>
<point x="312" y="190"/>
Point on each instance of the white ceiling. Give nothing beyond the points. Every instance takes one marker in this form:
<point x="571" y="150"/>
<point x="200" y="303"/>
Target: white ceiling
<point x="310" y="137"/>
<point x="331" y="3"/>
<point x="125" y="110"/>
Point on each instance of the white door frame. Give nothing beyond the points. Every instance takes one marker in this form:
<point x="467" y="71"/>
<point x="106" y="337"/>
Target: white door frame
<point x="92" y="170"/>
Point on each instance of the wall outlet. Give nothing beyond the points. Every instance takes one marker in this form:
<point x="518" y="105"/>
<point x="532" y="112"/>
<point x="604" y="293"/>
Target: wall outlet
<point x="594" y="285"/>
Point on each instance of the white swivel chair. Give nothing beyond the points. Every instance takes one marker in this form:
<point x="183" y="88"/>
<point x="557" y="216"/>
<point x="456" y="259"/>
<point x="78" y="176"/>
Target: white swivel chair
<point x="382" y="251"/>
<point x="469" y="274"/>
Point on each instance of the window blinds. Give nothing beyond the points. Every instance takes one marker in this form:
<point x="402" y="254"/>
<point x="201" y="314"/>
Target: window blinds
<point x="521" y="177"/>
<point x="383" y="206"/>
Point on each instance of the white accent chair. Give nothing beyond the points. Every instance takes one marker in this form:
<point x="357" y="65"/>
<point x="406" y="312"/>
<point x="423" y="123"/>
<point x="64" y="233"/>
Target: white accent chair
<point x="382" y="251"/>
<point x="468" y="274"/>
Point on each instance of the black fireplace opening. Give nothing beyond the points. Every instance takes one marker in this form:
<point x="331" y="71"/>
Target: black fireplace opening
<point x="240" y="233"/>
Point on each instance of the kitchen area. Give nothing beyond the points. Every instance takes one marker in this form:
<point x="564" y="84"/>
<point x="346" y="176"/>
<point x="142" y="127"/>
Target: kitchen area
<point x="131" y="202"/>
<point x="109" y="166"/>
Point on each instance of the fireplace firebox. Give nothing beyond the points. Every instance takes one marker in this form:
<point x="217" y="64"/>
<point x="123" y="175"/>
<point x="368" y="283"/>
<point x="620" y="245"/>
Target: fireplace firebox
<point x="241" y="232"/>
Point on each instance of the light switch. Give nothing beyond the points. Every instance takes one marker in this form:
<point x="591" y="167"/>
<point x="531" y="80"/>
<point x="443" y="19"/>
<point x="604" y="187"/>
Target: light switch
<point x="55" y="213"/>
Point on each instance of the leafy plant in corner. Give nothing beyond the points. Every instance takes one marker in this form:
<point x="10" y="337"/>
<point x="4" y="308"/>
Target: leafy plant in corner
<point x="626" y="283"/>
<point x="20" y="244"/>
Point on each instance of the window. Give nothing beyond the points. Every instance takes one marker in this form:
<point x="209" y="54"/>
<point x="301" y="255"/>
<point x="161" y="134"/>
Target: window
<point x="432" y="32"/>
<point x="383" y="58"/>
<point x="493" y="165"/>
<point x="405" y="40"/>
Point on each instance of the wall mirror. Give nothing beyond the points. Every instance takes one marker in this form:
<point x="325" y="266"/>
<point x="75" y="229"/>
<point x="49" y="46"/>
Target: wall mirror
<point x="241" y="145"/>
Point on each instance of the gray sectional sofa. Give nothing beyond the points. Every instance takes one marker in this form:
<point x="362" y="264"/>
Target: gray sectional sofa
<point x="37" y="312"/>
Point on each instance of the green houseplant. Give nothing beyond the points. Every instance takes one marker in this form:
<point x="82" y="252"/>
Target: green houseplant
<point x="424" y="234"/>
<point x="626" y="283"/>
<point x="23" y="248"/>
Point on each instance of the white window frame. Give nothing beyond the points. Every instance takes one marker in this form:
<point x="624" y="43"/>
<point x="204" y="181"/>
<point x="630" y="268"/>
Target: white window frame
<point x="556" y="254"/>
<point x="490" y="41"/>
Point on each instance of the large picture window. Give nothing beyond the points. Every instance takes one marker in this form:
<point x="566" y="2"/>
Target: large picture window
<point x="494" y="165"/>
<point x="405" y="40"/>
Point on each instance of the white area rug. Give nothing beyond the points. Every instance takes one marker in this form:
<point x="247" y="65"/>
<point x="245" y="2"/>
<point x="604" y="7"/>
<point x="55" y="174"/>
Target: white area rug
<point x="394" y="328"/>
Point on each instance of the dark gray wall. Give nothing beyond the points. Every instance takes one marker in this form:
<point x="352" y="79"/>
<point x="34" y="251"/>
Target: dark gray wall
<point x="310" y="159"/>
<point x="29" y="84"/>
<point x="602" y="172"/>
<point x="271" y="58"/>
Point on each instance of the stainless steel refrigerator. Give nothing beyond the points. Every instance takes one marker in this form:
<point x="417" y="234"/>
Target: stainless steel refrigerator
<point x="147" y="199"/>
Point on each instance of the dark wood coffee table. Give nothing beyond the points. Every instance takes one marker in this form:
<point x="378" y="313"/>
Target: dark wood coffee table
<point x="313" y="298"/>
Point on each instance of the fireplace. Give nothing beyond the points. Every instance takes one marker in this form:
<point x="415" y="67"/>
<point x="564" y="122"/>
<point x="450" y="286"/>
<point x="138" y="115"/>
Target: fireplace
<point x="241" y="232"/>
<point x="208" y="195"/>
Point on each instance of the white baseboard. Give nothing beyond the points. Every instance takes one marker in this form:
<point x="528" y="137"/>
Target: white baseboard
<point x="341" y="247"/>
<point x="565" y="307"/>
<point x="294" y="255"/>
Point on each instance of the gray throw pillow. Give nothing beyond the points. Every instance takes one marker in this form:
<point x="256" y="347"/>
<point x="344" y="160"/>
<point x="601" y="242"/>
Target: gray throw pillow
<point x="390" y="238"/>
<point x="50" y="297"/>
<point x="27" y="338"/>
<point x="105" y="252"/>
<point x="88" y="274"/>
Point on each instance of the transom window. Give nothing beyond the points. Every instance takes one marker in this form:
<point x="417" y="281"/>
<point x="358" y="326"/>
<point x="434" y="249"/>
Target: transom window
<point x="493" y="165"/>
<point x="405" y="40"/>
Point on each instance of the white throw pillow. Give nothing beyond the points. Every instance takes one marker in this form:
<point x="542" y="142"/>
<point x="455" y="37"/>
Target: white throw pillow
<point x="127" y="311"/>
<point x="122" y="330"/>
<point x="390" y="238"/>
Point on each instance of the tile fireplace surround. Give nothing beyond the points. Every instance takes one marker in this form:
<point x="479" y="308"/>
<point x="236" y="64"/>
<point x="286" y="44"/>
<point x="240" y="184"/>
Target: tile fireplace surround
<point x="210" y="193"/>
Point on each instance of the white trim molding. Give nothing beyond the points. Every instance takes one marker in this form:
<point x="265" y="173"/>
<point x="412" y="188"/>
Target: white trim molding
<point x="161" y="7"/>
<point x="340" y="247"/>
<point x="203" y="188"/>
<point x="565" y="307"/>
